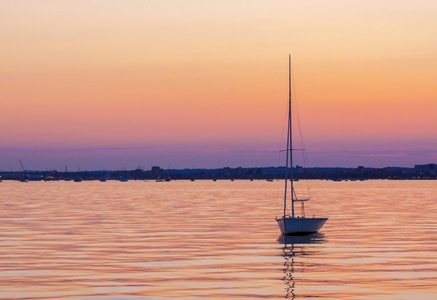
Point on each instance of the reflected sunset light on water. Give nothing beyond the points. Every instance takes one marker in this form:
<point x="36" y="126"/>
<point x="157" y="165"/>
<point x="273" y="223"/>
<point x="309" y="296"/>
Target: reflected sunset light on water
<point x="215" y="240"/>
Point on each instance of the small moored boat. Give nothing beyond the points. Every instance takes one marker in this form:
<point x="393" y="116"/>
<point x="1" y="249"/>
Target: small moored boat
<point x="292" y="224"/>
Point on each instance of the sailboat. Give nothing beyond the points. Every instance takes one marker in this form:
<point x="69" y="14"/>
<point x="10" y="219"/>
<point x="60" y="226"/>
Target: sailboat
<point x="292" y="224"/>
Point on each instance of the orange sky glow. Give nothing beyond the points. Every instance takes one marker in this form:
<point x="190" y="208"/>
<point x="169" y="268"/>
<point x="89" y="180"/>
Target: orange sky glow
<point x="181" y="84"/>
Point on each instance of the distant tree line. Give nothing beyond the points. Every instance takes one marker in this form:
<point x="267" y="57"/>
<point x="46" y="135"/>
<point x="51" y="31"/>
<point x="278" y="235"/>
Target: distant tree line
<point x="428" y="171"/>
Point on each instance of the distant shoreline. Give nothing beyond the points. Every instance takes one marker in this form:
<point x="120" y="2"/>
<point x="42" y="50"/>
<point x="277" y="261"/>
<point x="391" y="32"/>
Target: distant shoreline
<point x="427" y="171"/>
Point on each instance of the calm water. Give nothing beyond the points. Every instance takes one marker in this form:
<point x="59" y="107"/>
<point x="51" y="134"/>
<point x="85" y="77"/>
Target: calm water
<point x="215" y="240"/>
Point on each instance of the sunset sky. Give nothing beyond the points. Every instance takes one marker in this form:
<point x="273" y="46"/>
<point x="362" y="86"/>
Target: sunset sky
<point x="204" y="84"/>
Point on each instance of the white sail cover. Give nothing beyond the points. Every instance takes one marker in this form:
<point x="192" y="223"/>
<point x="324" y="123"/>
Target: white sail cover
<point x="301" y="200"/>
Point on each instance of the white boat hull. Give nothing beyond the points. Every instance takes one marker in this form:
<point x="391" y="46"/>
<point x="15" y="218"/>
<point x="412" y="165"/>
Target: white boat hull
<point x="289" y="226"/>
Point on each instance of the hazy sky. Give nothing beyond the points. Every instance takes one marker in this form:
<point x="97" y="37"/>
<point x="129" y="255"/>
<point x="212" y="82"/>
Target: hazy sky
<point x="187" y="84"/>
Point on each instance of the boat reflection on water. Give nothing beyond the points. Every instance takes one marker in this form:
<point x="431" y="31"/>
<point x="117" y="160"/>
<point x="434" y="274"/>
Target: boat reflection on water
<point x="294" y="247"/>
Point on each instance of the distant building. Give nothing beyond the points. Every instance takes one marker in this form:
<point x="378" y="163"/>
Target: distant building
<point x="157" y="171"/>
<point x="226" y="171"/>
<point x="426" y="169"/>
<point x="239" y="171"/>
<point x="298" y="169"/>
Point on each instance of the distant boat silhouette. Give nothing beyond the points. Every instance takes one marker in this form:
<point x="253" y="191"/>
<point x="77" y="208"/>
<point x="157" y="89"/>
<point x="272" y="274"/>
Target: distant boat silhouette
<point x="24" y="179"/>
<point x="290" y="224"/>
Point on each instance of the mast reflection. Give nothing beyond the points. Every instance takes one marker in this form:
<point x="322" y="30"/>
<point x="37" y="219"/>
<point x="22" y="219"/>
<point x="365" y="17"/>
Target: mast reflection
<point x="294" y="247"/>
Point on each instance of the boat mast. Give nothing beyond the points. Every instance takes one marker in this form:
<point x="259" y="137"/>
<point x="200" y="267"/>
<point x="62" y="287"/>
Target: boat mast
<point x="289" y="147"/>
<point x="291" y="135"/>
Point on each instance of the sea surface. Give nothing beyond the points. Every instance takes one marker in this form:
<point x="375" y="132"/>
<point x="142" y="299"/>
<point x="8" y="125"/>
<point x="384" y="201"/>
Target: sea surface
<point x="215" y="240"/>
